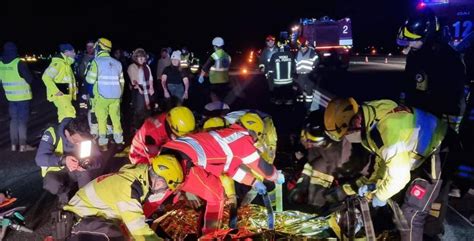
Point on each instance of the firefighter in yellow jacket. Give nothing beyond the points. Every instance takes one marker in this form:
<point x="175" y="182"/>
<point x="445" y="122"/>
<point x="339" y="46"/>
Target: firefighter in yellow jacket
<point x="106" y="76"/>
<point x="60" y="82"/>
<point x="117" y="198"/>
<point x="406" y="143"/>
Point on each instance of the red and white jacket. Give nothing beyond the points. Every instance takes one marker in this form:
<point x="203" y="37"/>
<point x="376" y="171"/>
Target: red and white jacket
<point x="227" y="151"/>
<point x="155" y="127"/>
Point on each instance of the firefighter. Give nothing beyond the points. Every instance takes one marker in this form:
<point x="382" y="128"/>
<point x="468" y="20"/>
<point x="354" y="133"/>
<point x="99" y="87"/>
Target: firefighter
<point x="430" y="63"/>
<point x="329" y="163"/>
<point x="105" y="73"/>
<point x="264" y="60"/>
<point x="230" y="152"/>
<point x="60" y="160"/>
<point x="267" y="143"/>
<point x="266" y="146"/>
<point x="306" y="61"/>
<point x="217" y="67"/>
<point x="280" y="70"/>
<point x="60" y="82"/>
<point x="406" y="143"/>
<point x="119" y="197"/>
<point x="158" y="130"/>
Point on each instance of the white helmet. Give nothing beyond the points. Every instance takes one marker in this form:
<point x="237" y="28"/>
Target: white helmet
<point x="218" y="41"/>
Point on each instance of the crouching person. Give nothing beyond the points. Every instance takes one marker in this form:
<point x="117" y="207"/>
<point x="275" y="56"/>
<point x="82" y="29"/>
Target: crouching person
<point x="114" y="199"/>
<point x="68" y="158"/>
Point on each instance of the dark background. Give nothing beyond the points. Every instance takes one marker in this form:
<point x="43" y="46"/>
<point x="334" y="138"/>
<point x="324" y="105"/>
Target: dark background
<point x="39" y="26"/>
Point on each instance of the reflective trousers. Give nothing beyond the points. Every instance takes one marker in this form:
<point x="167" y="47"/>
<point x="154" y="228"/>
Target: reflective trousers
<point x="65" y="107"/>
<point x="103" y="109"/>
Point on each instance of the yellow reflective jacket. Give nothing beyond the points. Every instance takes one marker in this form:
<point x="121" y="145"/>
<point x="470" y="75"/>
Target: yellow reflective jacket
<point x="401" y="138"/>
<point x="59" y="72"/>
<point x="117" y="197"/>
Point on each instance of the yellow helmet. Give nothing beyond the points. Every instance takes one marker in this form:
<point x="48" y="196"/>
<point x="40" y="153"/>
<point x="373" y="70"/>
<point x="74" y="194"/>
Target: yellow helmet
<point x="214" y="123"/>
<point x="252" y="122"/>
<point x="104" y="44"/>
<point x="168" y="167"/>
<point x="181" y="120"/>
<point x="338" y="116"/>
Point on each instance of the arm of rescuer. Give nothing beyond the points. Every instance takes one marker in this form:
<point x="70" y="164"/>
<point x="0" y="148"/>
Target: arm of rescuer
<point x="25" y="72"/>
<point x="91" y="74"/>
<point x="132" y="214"/>
<point x="251" y="160"/>
<point x="207" y="66"/>
<point x="134" y="219"/>
<point x="394" y="163"/>
<point x="48" y="78"/>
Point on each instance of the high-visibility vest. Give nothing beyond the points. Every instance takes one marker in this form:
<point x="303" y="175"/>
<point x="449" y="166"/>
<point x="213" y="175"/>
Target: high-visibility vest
<point x="184" y="62"/>
<point x="219" y="72"/>
<point x="58" y="150"/>
<point x="305" y="62"/>
<point x="108" y="77"/>
<point x="16" y="88"/>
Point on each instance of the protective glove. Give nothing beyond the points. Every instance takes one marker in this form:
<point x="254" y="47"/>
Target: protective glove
<point x="281" y="178"/>
<point x="260" y="187"/>
<point x="201" y="79"/>
<point x="366" y="189"/>
<point x="376" y="202"/>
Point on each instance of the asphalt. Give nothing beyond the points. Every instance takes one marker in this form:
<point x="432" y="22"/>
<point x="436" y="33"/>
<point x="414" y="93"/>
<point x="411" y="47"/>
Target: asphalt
<point x="374" y="79"/>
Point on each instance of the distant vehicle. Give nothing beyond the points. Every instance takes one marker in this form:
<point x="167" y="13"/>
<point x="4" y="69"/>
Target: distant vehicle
<point x="332" y="39"/>
<point x="455" y="16"/>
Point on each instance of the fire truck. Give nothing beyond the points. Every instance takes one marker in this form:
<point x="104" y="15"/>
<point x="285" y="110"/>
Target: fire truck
<point x="455" y="16"/>
<point x="332" y="39"/>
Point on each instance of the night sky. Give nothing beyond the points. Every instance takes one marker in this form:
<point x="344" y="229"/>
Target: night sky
<point x="153" y="24"/>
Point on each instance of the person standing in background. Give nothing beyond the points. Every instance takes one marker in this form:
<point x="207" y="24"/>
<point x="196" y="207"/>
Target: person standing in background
<point x="16" y="80"/>
<point x="142" y="83"/>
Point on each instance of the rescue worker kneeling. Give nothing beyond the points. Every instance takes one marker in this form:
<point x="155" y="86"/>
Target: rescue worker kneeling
<point x="114" y="199"/>
<point x="402" y="138"/>
<point x="332" y="169"/>
<point x="67" y="156"/>
<point x="228" y="152"/>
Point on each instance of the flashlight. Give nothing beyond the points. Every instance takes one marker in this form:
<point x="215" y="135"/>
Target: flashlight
<point x="85" y="149"/>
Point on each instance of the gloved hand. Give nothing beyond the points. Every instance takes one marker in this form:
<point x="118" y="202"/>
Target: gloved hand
<point x="280" y="178"/>
<point x="366" y="189"/>
<point x="260" y="187"/>
<point x="376" y="202"/>
<point x="201" y="79"/>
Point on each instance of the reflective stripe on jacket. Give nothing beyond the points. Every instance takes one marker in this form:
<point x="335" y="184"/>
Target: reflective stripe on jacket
<point x="402" y="138"/>
<point x="16" y="88"/>
<point x="117" y="196"/>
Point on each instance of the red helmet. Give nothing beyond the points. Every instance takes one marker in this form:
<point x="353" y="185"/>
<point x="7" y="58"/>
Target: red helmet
<point x="270" y="37"/>
<point x="302" y="41"/>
